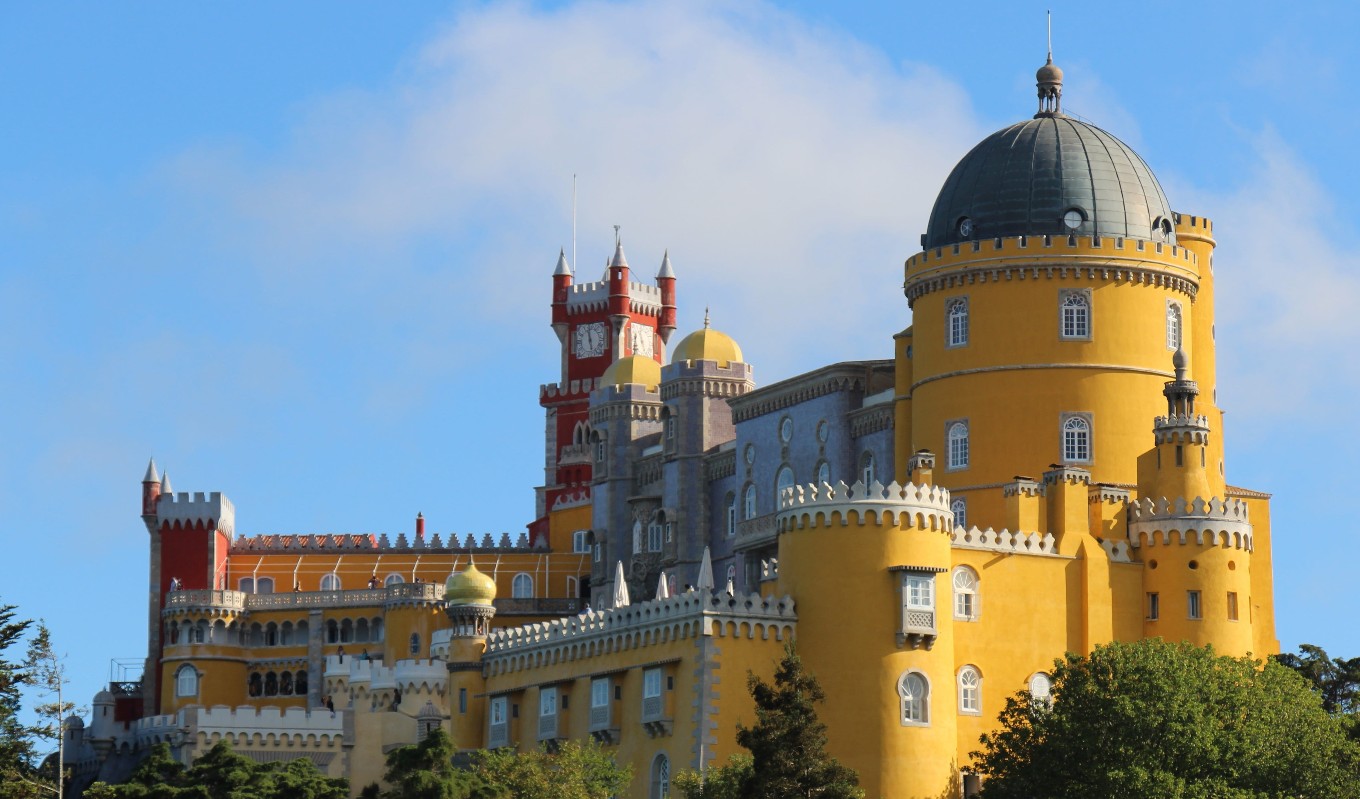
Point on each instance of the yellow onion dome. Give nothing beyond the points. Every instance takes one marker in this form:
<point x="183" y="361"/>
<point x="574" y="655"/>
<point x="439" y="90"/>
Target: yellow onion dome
<point x="469" y="587"/>
<point x="707" y="345"/>
<point x="637" y="369"/>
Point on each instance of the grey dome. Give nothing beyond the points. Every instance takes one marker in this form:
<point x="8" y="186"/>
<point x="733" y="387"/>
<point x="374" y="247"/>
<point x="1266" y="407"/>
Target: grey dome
<point x="1022" y="180"/>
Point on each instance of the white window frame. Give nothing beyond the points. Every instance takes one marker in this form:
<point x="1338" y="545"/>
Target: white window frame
<point x="186" y="681"/>
<point x="547" y="701"/>
<point x="661" y="777"/>
<point x="1078" y="444"/>
<point x="823" y="473"/>
<point x="1042" y="681"/>
<point x="1074" y="315"/>
<point x="867" y="470"/>
<point x="1175" y="324"/>
<point x="580" y="542"/>
<point x="783" y="479"/>
<point x="956" y="322"/>
<point x="749" y="501"/>
<point x="331" y="582"/>
<point x="655" y="536"/>
<point x="731" y="514"/>
<point x="499" y="705"/>
<point x="969" y="681"/>
<point x="958" y="450"/>
<point x="651" y="683"/>
<point x="959" y="507"/>
<point x="918" y="591"/>
<point x="913" y="693"/>
<point x="965" y="585"/>
<point x="393" y="579"/>
<point x="599" y="692"/>
<point x="522" y="586"/>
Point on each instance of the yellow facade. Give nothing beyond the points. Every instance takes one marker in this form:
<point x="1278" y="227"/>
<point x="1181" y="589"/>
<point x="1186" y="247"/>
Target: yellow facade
<point x="1058" y="483"/>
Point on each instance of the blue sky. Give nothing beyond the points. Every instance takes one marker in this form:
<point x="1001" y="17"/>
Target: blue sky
<point x="301" y="252"/>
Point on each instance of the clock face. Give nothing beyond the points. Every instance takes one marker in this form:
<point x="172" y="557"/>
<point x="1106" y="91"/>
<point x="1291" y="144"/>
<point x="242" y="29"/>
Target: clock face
<point x="590" y="340"/>
<point x="965" y="227"/>
<point x="642" y="339"/>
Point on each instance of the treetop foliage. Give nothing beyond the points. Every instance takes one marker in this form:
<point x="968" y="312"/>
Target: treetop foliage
<point x="1165" y="720"/>
<point x="222" y="774"/>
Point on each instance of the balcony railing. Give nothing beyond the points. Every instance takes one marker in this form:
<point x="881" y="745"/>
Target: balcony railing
<point x="600" y="718"/>
<point x="655" y="719"/>
<point x="918" y="627"/>
<point x="206" y="600"/>
<point x="539" y="606"/>
<point x="498" y="735"/>
<point x="363" y="597"/>
<point x="547" y="727"/>
<point x="757" y="532"/>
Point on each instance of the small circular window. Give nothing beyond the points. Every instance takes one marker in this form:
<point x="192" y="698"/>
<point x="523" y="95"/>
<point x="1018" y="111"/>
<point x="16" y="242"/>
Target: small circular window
<point x="750" y="454"/>
<point x="786" y="430"/>
<point x="965" y="227"/>
<point x="1073" y="219"/>
<point x="823" y="431"/>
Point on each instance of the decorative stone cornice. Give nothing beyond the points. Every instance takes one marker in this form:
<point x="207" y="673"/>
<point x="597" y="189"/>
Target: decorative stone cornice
<point x="1101" y="493"/>
<point x="1181" y="429"/>
<point x="596" y="633"/>
<point x="1005" y="541"/>
<point x="1214" y="522"/>
<point x="1071" y="475"/>
<point x="870" y="420"/>
<point x="863" y="376"/>
<point x="636" y="410"/>
<point x="920" y="507"/>
<point x="1023" y="486"/>
<point x="720" y="465"/>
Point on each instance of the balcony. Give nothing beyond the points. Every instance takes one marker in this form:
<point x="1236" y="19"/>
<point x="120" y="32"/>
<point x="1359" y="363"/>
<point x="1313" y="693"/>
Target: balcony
<point x="573" y="454"/>
<point x="498" y="735"/>
<point x="547" y="727"/>
<point x="602" y="726"/>
<point x="206" y="601"/>
<point x="538" y="606"/>
<point x="655" y="717"/>
<point x="756" y="533"/>
<point x="918" y="627"/>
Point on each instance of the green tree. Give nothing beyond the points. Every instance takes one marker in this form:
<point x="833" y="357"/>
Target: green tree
<point x="575" y="771"/>
<point x="46" y="671"/>
<point x="426" y="771"/>
<point x="787" y="745"/>
<point x="17" y="778"/>
<point x="1158" y="720"/>
<point x="1337" y="680"/>
<point x="222" y="774"/>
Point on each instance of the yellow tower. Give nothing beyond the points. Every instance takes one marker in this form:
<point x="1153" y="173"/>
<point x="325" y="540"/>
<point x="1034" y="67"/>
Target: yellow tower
<point x="469" y="596"/>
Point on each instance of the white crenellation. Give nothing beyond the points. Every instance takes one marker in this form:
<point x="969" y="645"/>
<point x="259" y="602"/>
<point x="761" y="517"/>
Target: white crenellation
<point x="380" y="544"/>
<point x="1118" y="551"/>
<point x="1023" y="486"/>
<point x="921" y="507"/>
<point x="1214" y="521"/>
<point x="568" y="499"/>
<point x="416" y="675"/>
<point x="243" y="726"/>
<point x="1005" y="541"/>
<point x="189" y="508"/>
<point x="595" y="633"/>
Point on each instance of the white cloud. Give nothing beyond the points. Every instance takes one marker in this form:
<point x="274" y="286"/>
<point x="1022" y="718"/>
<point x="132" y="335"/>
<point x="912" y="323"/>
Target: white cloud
<point x="789" y="169"/>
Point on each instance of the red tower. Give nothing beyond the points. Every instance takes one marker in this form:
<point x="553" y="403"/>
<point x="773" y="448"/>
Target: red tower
<point x="596" y="324"/>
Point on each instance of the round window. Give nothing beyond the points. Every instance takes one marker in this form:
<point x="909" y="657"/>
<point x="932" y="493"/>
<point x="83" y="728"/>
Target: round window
<point x="1073" y="219"/>
<point x="786" y="430"/>
<point x="965" y="227"/>
<point x="750" y="454"/>
<point x="823" y="431"/>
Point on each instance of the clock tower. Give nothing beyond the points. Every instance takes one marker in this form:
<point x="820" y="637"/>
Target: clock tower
<point x="596" y="324"/>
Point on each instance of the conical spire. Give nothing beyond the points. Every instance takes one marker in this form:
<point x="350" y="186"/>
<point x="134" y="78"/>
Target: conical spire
<point x="165" y="484"/>
<point x="705" y="581"/>
<point x="619" y="260"/>
<point x="151" y="475"/>
<point x="563" y="268"/>
<point x="665" y="270"/>
<point x="621" y="598"/>
<point x="663" y="589"/>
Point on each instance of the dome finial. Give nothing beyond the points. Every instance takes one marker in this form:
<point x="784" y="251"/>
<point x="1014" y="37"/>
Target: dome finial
<point x="1178" y="362"/>
<point x="1049" y="79"/>
<point x="705" y="317"/>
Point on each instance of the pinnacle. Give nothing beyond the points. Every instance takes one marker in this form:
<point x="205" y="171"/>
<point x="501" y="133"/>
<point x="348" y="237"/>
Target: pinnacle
<point x="151" y="475"/>
<point x="619" y="259"/>
<point x="165" y="484"/>
<point x="563" y="268"/>
<point x="665" y="270"/>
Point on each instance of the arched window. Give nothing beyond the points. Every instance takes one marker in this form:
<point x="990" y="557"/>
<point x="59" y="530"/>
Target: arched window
<point x="732" y="576"/>
<point x="580" y="541"/>
<point x="867" y="472"/>
<point x="346" y="631"/>
<point x="264" y="585"/>
<point x="958" y="445"/>
<point x="199" y="632"/>
<point x="654" y="535"/>
<point x="286" y="683"/>
<point x="1076" y="435"/>
<point x="661" y="777"/>
<point x="965" y="594"/>
<point x="271" y="684"/>
<point x="1076" y="315"/>
<point x="256" y="684"/>
<point x="1041" y="688"/>
<point x="782" y="481"/>
<point x="522" y="587"/>
<point x="956" y="332"/>
<point x="415" y="643"/>
<point x="271" y="634"/>
<point x="749" y="502"/>
<point x="637" y="536"/>
<point x="913" y="692"/>
<point x="1173" y="325"/>
<point x="959" y="507"/>
<point x="186" y="681"/>
<point x="332" y="631"/>
<point x="823" y="473"/>
<point x="970" y="691"/>
<point x="330" y="582"/>
<point x="393" y="579"/>
<point x="361" y="631"/>
<point x="375" y="629"/>
<point x="731" y="504"/>
<point x="300" y="682"/>
<point x="246" y="585"/>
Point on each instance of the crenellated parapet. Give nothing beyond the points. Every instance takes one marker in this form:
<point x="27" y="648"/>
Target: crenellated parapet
<point x="196" y="509"/>
<point x="574" y="391"/>
<point x="381" y="544"/>
<point x="1212" y="522"/>
<point x="596" y="633"/>
<point x="1016" y="543"/>
<point x="1181" y="429"/>
<point x="921" y="507"/>
<point x="244" y="726"/>
<point x="570" y="499"/>
<point x="413" y="675"/>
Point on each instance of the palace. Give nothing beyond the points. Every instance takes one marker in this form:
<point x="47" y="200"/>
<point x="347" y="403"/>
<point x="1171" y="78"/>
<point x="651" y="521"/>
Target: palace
<point x="1037" y="468"/>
